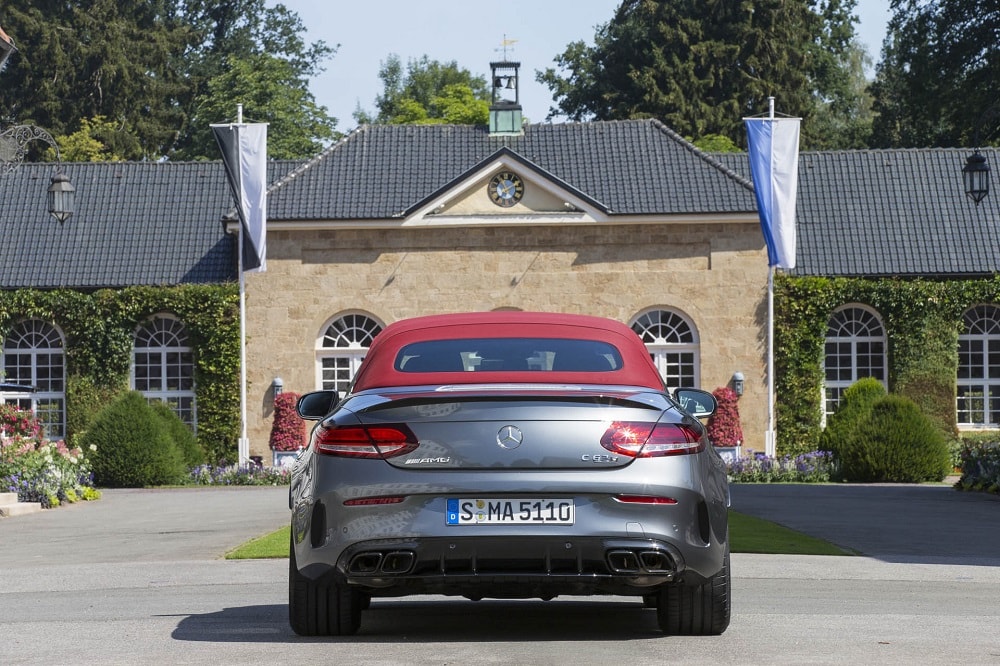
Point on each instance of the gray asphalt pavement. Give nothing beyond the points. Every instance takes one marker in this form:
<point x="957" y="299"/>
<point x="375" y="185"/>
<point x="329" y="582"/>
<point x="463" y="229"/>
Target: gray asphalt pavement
<point x="138" y="578"/>
<point x="930" y="524"/>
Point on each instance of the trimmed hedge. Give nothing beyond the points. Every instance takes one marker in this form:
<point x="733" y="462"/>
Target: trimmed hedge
<point x="893" y="442"/>
<point x="132" y="447"/>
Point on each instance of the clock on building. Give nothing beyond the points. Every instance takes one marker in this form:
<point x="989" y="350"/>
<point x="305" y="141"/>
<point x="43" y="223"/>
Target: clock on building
<point x="506" y="189"/>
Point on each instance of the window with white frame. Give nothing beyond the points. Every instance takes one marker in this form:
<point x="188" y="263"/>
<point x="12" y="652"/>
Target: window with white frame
<point x="163" y="366"/>
<point x="673" y="345"/>
<point x="855" y="348"/>
<point x="33" y="356"/>
<point x="341" y="348"/>
<point x="979" y="367"/>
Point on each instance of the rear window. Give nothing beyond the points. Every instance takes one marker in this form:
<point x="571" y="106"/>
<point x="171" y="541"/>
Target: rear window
<point x="509" y="355"/>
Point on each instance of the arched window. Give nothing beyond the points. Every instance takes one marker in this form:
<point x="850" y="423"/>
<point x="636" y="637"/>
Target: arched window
<point x="979" y="367"/>
<point x="673" y="345"/>
<point x="855" y="348"/>
<point x="341" y="348"/>
<point x="33" y="356"/>
<point x="163" y="366"/>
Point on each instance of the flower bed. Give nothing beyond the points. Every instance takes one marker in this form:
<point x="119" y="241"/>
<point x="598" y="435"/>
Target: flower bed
<point x="38" y="470"/>
<point x="240" y="475"/>
<point x="980" y="467"/>
<point x="813" y="467"/>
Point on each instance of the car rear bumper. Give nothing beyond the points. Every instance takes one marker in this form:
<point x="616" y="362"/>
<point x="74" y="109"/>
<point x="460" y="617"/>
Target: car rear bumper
<point x="505" y="567"/>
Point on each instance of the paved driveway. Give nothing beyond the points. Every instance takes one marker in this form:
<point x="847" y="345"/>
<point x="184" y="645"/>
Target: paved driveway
<point x="144" y="526"/>
<point x="137" y="578"/>
<point x="894" y="523"/>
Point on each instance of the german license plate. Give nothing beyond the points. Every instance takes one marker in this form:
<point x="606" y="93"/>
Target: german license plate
<point x="510" y="512"/>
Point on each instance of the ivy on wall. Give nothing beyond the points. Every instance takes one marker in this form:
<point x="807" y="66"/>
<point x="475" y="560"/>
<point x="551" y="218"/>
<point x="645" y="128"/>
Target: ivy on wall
<point x="99" y="327"/>
<point x="922" y="320"/>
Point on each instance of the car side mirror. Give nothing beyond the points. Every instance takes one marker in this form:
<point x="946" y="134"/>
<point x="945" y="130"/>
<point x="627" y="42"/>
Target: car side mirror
<point x="696" y="402"/>
<point x="315" y="405"/>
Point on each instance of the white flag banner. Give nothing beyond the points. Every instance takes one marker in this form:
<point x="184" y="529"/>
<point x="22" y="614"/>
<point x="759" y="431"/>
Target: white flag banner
<point x="244" y="154"/>
<point x="774" y="166"/>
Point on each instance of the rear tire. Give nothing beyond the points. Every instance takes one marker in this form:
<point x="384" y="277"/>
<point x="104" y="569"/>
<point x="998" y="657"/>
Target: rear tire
<point x="315" y="609"/>
<point x="696" y="610"/>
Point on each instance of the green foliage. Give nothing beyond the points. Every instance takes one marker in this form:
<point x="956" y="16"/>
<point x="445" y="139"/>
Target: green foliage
<point x="715" y="143"/>
<point x="428" y="92"/>
<point x="894" y="442"/>
<point x="980" y="463"/>
<point x="97" y="140"/>
<point x="700" y="67"/>
<point x="146" y="67"/>
<point x="180" y="433"/>
<point x="132" y="447"/>
<point x="921" y="317"/>
<point x="271" y="93"/>
<point x="99" y="328"/>
<point x="937" y="73"/>
<point x="855" y="407"/>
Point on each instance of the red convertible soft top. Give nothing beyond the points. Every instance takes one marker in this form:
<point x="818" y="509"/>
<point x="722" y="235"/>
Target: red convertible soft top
<point x="397" y="355"/>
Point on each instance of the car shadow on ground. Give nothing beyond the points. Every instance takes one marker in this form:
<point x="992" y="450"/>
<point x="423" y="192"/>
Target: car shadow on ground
<point x="452" y="620"/>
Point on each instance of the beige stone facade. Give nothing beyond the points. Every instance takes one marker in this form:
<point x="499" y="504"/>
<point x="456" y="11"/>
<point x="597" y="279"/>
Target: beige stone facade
<point x="711" y="271"/>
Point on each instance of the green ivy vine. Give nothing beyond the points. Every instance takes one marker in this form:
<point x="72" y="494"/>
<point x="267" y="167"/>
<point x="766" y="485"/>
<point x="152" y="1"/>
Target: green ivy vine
<point x="99" y="327"/>
<point x="922" y="319"/>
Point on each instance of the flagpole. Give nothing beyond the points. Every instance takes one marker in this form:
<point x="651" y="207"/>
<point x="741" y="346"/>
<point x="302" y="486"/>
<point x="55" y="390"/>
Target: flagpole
<point x="770" y="445"/>
<point x="243" y="448"/>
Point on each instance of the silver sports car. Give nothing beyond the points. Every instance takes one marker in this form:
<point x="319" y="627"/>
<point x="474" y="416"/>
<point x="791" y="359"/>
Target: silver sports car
<point x="508" y="455"/>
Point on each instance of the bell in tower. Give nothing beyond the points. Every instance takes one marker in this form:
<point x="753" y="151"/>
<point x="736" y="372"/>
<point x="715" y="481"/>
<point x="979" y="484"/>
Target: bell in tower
<point x="505" y="109"/>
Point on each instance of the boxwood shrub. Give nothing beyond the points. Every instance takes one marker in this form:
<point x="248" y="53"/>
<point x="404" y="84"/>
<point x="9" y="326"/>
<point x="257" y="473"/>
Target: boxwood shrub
<point x="133" y="447"/>
<point x="894" y="442"/>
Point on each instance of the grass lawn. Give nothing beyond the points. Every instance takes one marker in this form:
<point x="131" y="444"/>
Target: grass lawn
<point x="746" y="535"/>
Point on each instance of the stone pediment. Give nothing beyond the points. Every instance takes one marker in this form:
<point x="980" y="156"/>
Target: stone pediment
<point x="478" y="197"/>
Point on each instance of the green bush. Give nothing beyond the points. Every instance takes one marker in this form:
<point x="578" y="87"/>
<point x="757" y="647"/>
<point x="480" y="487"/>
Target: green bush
<point x="855" y="405"/>
<point x="895" y="442"/>
<point x="133" y="447"/>
<point x="180" y="432"/>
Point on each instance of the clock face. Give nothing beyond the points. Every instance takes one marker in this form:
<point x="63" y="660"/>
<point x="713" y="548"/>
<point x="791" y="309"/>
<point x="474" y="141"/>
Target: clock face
<point x="505" y="189"/>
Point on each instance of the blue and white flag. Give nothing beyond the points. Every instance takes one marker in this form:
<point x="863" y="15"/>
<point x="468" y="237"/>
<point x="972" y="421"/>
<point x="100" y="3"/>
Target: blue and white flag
<point x="244" y="154"/>
<point x="774" y="165"/>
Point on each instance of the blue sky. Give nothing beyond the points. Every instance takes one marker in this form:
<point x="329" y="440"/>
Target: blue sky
<point x="470" y="33"/>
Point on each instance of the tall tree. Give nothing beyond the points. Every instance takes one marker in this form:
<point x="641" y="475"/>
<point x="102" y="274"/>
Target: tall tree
<point x="79" y="60"/>
<point x="228" y="36"/>
<point x="148" y="67"/>
<point x="936" y="83"/>
<point x="701" y="65"/>
<point x="428" y="91"/>
<point x="268" y="88"/>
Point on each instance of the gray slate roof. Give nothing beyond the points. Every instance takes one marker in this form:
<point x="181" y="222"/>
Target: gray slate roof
<point x="136" y="223"/>
<point x="891" y="213"/>
<point x="630" y="167"/>
<point x="877" y="213"/>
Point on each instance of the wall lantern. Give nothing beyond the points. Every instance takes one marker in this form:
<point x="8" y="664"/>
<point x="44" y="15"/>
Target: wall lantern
<point x="62" y="196"/>
<point x="738" y="383"/>
<point x="976" y="175"/>
<point x="277" y="386"/>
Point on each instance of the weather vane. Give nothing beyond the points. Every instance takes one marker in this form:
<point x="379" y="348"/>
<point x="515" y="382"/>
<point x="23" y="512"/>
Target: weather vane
<point x="505" y="45"/>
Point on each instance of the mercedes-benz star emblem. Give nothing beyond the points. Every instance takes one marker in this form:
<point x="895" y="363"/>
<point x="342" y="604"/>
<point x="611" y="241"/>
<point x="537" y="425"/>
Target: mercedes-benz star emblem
<point x="510" y="437"/>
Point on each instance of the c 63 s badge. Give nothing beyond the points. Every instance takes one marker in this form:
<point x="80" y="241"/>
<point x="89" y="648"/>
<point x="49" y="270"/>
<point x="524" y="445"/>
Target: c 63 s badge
<point x="599" y="458"/>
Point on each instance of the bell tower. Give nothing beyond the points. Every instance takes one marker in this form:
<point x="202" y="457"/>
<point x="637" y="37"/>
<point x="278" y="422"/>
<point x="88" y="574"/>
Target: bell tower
<point x="505" y="108"/>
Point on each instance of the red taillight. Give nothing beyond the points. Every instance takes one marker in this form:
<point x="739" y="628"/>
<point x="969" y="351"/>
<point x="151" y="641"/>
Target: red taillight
<point x="381" y="441"/>
<point x="651" y="440"/>
<point x="644" y="499"/>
